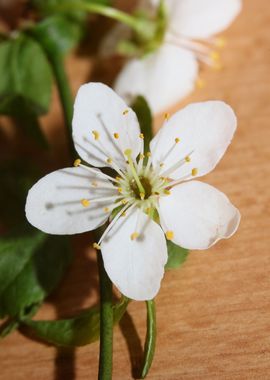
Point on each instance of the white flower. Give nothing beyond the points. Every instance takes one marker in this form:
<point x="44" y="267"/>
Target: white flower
<point x="173" y="68"/>
<point x="145" y="184"/>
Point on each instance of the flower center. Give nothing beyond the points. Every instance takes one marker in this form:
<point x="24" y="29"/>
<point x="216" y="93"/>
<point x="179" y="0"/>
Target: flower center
<point x="145" y="184"/>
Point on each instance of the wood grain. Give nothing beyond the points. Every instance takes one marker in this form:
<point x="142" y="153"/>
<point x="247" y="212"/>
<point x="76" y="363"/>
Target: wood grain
<point x="214" y="313"/>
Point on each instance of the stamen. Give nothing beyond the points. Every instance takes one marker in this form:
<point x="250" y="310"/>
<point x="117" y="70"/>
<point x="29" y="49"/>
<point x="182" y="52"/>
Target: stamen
<point x="106" y="209"/>
<point x="194" y="172"/>
<point x="141" y="135"/>
<point x="96" y="135"/>
<point x="77" y="162"/>
<point x="187" y="159"/>
<point x="134" y="235"/>
<point x="85" y="202"/>
<point x="116" y="135"/>
<point x="142" y="196"/>
<point x="177" y="140"/>
<point x="98" y="173"/>
<point x="174" y="167"/>
<point x="117" y="216"/>
<point x="166" y="116"/>
<point x="125" y="112"/>
<point x="109" y="160"/>
<point x="128" y="153"/>
<point x="96" y="246"/>
<point x="169" y="235"/>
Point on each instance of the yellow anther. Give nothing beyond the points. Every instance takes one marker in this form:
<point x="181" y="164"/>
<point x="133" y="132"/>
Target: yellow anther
<point x="120" y="190"/>
<point x="94" y="184"/>
<point x="97" y="246"/>
<point x="187" y="159"/>
<point x="169" y="235"/>
<point x="124" y="201"/>
<point x="215" y="56"/>
<point x="147" y="210"/>
<point x="85" y="202"/>
<point x="177" y="140"/>
<point x="161" y="164"/>
<point x="142" y="196"/>
<point x="134" y="235"/>
<point x="200" y="83"/>
<point x="141" y="156"/>
<point x="95" y="134"/>
<point x="166" y="115"/>
<point x="77" y="162"/>
<point x="118" y="178"/>
<point x="116" y="135"/>
<point x="220" y="42"/>
<point x="128" y="152"/>
<point x="106" y="209"/>
<point x="148" y="154"/>
<point x="194" y="171"/>
<point x="109" y="160"/>
<point x="167" y="192"/>
<point x="141" y="135"/>
<point x="125" y="112"/>
<point x="123" y="214"/>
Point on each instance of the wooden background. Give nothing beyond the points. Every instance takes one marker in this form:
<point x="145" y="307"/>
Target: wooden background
<point x="214" y="313"/>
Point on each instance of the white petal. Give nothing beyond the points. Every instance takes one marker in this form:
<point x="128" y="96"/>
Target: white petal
<point x="53" y="203"/>
<point x="98" y="108"/>
<point x="136" y="267"/>
<point x="163" y="78"/>
<point x="205" y="129"/>
<point x="198" y="214"/>
<point x="200" y="19"/>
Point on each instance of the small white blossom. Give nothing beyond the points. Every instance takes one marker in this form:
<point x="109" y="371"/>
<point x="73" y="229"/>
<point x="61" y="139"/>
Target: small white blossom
<point x="173" y="68"/>
<point x="148" y="193"/>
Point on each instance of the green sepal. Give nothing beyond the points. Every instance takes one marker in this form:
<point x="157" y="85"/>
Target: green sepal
<point x="176" y="255"/>
<point x="144" y="115"/>
<point x="77" y="331"/>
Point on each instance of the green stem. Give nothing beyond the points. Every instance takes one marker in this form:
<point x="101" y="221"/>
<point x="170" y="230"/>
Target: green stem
<point x="106" y="323"/>
<point x="102" y="10"/>
<point x="65" y="96"/>
<point x="150" y="341"/>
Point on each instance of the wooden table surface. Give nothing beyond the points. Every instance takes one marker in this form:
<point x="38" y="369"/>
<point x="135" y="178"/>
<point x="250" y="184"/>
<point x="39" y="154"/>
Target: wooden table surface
<point x="214" y="313"/>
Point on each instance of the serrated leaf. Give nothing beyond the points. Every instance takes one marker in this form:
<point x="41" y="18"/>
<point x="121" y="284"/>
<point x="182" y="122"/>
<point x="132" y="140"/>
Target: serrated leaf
<point x="78" y="331"/>
<point x="144" y="115"/>
<point x="176" y="255"/>
<point x="26" y="75"/>
<point x="31" y="267"/>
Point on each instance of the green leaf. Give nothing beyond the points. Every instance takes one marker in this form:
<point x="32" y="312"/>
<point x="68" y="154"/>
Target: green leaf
<point x="58" y="33"/>
<point x="143" y="112"/>
<point x="150" y="341"/>
<point x="78" y="331"/>
<point x="176" y="255"/>
<point x="31" y="266"/>
<point x="25" y="76"/>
